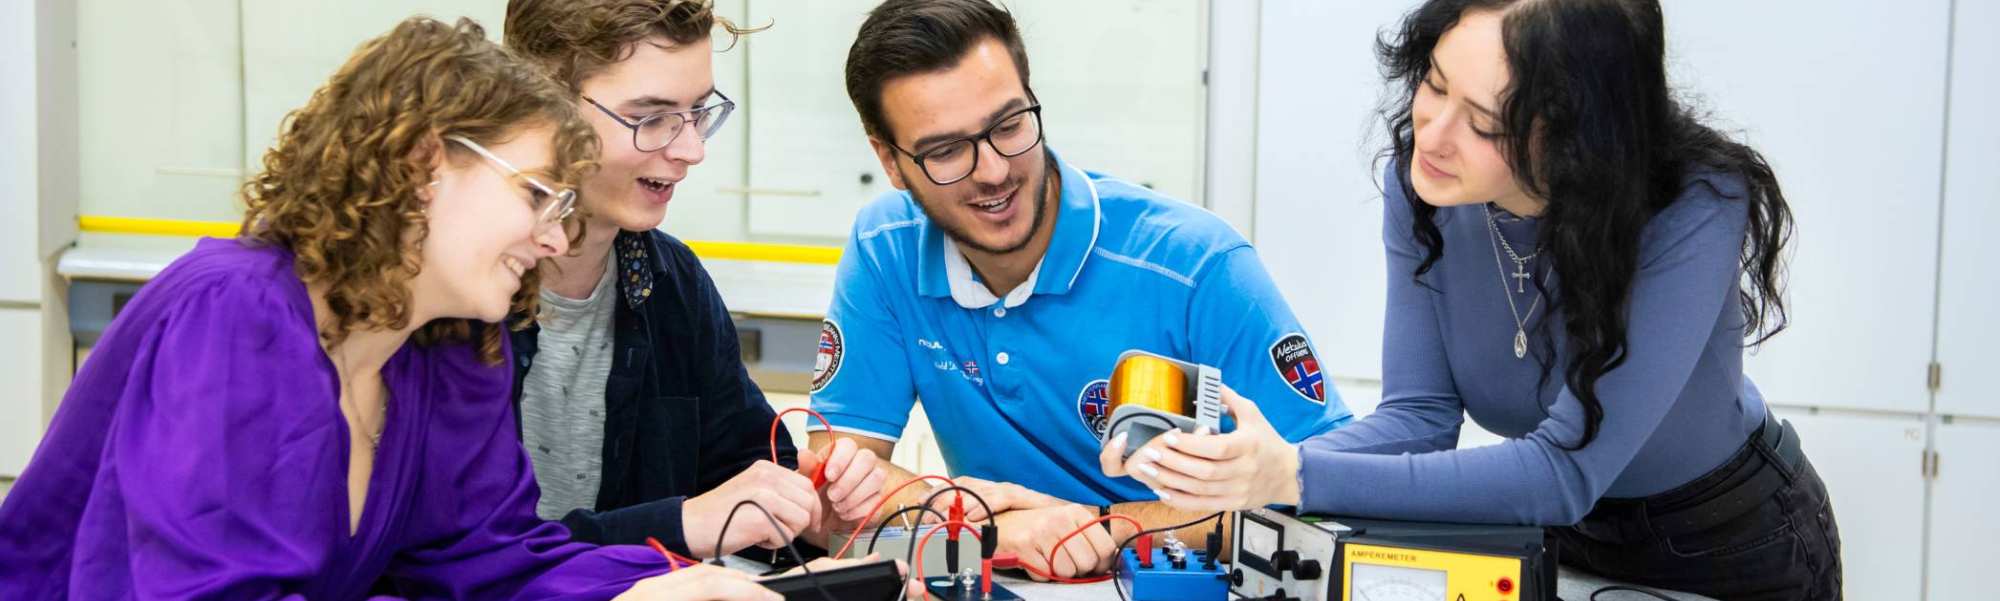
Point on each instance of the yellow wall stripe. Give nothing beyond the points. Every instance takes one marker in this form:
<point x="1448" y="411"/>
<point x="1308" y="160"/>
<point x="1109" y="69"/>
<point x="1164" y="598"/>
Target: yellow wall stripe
<point x="155" y="227"/>
<point x="706" y="249"/>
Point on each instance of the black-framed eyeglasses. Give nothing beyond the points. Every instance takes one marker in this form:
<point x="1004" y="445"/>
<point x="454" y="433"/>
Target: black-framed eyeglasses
<point x="954" y="160"/>
<point x="656" y="131"/>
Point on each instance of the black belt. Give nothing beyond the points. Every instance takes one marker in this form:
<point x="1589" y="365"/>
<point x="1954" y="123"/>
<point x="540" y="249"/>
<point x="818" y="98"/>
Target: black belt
<point x="1767" y="463"/>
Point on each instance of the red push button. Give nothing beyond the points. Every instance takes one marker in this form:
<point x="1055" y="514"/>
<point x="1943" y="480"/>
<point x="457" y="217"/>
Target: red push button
<point x="1506" y="586"/>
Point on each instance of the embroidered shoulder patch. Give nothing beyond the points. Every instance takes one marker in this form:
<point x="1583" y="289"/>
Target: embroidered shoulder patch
<point x="1292" y="355"/>
<point x="831" y="350"/>
<point x="1093" y="405"/>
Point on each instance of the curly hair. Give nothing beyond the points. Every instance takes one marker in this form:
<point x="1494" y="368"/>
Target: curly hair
<point x="340" y="187"/>
<point x="577" y="39"/>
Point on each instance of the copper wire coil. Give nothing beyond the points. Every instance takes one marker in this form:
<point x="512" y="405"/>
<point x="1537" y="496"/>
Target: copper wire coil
<point x="1150" y="381"/>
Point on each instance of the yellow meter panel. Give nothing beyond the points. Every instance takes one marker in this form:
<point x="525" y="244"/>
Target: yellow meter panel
<point x="1389" y="573"/>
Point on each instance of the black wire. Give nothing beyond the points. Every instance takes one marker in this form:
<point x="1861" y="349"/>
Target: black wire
<point x="885" y="524"/>
<point x="951" y="551"/>
<point x="1119" y="553"/>
<point x="935" y="492"/>
<point x="1628" y="589"/>
<point x="780" y="529"/>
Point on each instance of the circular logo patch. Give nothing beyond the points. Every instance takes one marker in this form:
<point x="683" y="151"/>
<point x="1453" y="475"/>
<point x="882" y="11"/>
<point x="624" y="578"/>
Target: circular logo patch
<point x="1094" y="406"/>
<point x="831" y="350"/>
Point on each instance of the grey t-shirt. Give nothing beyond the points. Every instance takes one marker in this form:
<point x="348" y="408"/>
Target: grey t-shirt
<point x="562" y="398"/>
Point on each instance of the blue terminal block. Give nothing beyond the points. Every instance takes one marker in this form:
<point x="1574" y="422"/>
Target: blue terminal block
<point x="1188" y="578"/>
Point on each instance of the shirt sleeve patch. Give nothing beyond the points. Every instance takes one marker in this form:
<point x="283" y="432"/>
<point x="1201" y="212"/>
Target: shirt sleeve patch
<point x="1292" y="355"/>
<point x="1093" y="406"/>
<point x="832" y="349"/>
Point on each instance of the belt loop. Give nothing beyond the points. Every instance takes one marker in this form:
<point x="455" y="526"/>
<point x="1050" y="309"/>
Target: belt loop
<point x="1772" y="439"/>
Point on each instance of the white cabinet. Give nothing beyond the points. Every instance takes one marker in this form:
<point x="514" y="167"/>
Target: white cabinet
<point x="20" y="264"/>
<point x="1963" y="524"/>
<point x="708" y="205"/>
<point x="810" y="167"/>
<point x="1968" y="341"/>
<point x="38" y="179"/>
<point x="1120" y="83"/>
<point x="1851" y="121"/>
<point x="20" y="388"/>
<point x="161" y="91"/>
<point x="1873" y="468"/>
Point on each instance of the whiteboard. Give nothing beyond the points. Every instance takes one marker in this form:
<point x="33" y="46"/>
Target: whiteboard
<point x="1120" y="82"/>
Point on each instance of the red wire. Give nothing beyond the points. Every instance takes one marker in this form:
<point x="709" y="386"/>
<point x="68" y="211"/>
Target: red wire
<point x="918" y="567"/>
<point x="674" y="560"/>
<point x="1050" y="560"/>
<point x="856" y="535"/>
<point x="819" y="475"/>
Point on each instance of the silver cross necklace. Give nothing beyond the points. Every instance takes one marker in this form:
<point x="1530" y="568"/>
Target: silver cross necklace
<point x="1520" y="276"/>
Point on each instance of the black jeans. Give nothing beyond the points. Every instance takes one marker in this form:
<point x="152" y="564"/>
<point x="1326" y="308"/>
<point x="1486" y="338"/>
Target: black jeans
<point x="1760" y="527"/>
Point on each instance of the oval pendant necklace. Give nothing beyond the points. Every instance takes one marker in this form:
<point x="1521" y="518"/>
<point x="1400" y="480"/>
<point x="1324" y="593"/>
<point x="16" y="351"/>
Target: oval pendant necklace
<point x="1520" y="276"/>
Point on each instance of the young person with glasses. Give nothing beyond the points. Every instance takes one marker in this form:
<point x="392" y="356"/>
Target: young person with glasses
<point x="634" y="401"/>
<point x="1000" y="283"/>
<point x="317" y="408"/>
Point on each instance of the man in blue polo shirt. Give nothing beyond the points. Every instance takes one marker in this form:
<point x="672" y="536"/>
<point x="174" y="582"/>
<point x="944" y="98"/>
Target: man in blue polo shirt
<point x="1001" y="284"/>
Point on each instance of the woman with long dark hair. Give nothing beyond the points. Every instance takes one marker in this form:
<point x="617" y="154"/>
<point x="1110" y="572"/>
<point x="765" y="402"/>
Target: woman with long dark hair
<point x="1577" y="262"/>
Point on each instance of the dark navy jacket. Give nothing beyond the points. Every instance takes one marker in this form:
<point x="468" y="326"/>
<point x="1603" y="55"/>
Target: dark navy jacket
<point x="681" y="414"/>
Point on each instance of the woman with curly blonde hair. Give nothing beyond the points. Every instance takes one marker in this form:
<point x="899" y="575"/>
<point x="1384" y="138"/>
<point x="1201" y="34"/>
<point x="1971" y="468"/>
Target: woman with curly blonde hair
<point x="318" y="408"/>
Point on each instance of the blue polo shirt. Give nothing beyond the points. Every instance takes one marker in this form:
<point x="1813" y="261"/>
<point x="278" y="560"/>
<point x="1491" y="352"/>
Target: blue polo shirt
<point x="1015" y="385"/>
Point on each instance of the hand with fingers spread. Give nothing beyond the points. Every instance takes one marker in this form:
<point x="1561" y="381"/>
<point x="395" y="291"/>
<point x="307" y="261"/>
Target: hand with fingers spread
<point x="854" y="479"/>
<point x="1031" y="533"/>
<point x="699" y="582"/>
<point x="1250" y="467"/>
<point x="788" y="495"/>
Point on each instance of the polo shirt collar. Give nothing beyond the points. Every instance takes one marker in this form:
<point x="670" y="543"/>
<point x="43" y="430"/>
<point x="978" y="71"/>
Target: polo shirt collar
<point x="944" y="272"/>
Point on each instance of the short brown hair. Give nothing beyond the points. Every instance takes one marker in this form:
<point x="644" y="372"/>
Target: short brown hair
<point x="339" y="189"/>
<point x="576" y="39"/>
<point x="911" y="37"/>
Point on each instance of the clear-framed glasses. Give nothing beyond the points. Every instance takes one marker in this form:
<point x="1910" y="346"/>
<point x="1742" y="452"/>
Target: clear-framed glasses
<point x="551" y="206"/>
<point x="948" y="162"/>
<point x="656" y="131"/>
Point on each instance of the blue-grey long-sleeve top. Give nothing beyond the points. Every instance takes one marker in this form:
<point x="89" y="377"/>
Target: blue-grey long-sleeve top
<point x="1678" y="407"/>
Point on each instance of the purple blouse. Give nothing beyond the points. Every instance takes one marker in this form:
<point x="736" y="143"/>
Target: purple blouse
<point x="201" y="453"/>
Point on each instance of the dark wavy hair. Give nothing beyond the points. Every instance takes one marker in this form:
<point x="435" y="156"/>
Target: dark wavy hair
<point x="910" y="37"/>
<point x="1590" y="125"/>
